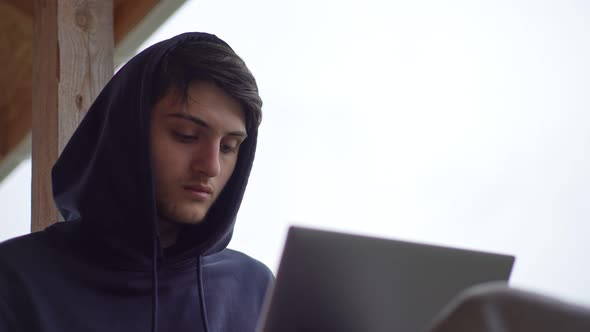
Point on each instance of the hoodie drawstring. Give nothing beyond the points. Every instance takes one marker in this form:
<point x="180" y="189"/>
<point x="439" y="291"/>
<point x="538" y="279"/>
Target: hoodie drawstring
<point x="202" y="294"/>
<point x="155" y="300"/>
<point x="155" y="285"/>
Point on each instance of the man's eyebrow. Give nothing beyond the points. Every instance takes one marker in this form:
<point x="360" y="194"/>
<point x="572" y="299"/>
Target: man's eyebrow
<point x="202" y="123"/>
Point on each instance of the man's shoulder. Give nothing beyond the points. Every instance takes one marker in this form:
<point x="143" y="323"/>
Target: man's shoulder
<point x="22" y="245"/>
<point x="56" y="233"/>
<point x="31" y="249"/>
<point x="238" y="262"/>
<point x="26" y="255"/>
<point x="237" y="274"/>
<point x="21" y="259"/>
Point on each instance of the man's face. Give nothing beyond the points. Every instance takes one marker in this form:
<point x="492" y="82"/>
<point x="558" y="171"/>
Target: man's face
<point x="194" y="149"/>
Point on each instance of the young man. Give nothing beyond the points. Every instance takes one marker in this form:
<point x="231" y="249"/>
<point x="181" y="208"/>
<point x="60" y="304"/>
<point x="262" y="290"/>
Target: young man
<point x="149" y="186"/>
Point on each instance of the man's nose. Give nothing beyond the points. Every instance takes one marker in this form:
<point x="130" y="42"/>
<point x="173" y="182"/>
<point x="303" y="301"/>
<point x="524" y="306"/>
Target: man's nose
<point x="207" y="161"/>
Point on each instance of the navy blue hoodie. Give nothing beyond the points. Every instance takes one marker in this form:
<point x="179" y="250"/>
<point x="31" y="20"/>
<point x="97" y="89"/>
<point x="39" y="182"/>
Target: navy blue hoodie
<point x="103" y="269"/>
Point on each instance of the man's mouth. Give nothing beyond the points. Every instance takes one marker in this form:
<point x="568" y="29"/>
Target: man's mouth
<point x="198" y="192"/>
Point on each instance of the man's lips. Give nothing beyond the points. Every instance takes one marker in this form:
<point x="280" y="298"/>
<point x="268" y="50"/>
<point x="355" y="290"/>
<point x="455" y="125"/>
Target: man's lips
<point x="199" y="192"/>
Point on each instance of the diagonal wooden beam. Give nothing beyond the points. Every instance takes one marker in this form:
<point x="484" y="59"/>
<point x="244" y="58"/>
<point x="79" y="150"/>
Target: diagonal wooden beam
<point x="16" y="35"/>
<point x="128" y="14"/>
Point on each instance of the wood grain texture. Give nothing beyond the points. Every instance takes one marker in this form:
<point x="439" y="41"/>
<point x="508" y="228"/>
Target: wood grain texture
<point x="85" y="33"/>
<point x="44" y="124"/>
<point x="16" y="42"/>
<point x="72" y="61"/>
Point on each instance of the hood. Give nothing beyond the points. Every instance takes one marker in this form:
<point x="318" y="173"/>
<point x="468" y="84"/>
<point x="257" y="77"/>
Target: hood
<point x="103" y="177"/>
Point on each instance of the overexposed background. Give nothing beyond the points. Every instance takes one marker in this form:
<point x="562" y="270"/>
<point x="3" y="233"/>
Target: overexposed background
<point x="463" y="123"/>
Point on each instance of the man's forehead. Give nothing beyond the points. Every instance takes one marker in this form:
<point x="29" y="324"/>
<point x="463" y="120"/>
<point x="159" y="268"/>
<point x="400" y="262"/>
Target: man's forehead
<point x="204" y="104"/>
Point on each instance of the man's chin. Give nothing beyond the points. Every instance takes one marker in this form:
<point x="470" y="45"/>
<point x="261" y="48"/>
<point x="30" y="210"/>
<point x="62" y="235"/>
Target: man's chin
<point x="188" y="218"/>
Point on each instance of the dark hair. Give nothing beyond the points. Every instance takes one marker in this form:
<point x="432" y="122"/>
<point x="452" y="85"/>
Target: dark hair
<point x="195" y="60"/>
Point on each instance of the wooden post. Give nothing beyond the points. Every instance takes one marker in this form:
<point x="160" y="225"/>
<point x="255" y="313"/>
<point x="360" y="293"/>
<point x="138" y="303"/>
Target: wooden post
<point x="72" y="61"/>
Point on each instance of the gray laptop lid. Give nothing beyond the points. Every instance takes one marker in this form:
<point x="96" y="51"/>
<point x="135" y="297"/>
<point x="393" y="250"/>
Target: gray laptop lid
<point x="331" y="281"/>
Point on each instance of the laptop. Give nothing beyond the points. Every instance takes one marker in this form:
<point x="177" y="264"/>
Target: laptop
<point x="329" y="281"/>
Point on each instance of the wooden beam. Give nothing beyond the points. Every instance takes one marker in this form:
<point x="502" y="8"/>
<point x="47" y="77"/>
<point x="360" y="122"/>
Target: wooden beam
<point x="128" y="14"/>
<point x="72" y="61"/>
<point x="44" y="123"/>
<point x="16" y="40"/>
<point x="24" y="6"/>
<point x="131" y="33"/>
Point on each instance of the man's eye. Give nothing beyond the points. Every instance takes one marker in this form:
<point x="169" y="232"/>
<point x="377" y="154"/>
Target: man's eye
<point x="184" y="138"/>
<point x="227" y="148"/>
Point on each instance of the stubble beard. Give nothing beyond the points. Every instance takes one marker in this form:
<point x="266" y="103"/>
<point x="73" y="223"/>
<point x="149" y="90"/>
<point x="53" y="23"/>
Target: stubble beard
<point x="177" y="214"/>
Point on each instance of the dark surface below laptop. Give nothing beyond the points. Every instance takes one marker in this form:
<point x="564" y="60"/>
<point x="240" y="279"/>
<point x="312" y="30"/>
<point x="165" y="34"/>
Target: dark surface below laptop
<point x="330" y="281"/>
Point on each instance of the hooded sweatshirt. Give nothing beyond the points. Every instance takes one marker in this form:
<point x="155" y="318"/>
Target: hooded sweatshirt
<point x="103" y="269"/>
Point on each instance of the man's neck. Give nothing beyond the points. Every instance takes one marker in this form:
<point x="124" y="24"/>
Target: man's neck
<point x="168" y="232"/>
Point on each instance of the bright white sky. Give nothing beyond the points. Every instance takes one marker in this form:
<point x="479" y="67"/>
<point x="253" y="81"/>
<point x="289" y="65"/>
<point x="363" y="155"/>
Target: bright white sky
<point x="463" y="123"/>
